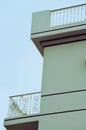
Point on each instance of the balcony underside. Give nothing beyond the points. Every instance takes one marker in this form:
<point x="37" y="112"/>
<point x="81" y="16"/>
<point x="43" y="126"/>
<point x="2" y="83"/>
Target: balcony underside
<point x="58" y="36"/>
<point x="23" y="126"/>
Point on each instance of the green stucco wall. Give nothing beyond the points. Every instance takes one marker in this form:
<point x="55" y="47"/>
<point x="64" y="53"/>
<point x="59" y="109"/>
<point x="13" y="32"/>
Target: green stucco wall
<point x="40" y="21"/>
<point x="63" y="102"/>
<point x="64" y="73"/>
<point x="64" y="68"/>
<point x="67" y="121"/>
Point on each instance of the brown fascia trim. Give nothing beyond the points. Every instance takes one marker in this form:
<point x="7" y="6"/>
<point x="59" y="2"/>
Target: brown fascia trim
<point x="75" y="38"/>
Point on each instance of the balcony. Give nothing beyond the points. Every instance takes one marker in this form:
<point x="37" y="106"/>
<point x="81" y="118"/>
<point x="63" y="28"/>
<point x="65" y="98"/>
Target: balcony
<point x="22" y="107"/>
<point x="26" y="104"/>
<point x="53" y="27"/>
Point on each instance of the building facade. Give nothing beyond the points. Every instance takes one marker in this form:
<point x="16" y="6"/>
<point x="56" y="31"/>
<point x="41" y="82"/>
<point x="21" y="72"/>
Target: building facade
<point x="60" y="36"/>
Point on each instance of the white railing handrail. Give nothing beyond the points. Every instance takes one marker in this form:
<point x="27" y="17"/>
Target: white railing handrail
<point x="24" y="94"/>
<point x="67" y="7"/>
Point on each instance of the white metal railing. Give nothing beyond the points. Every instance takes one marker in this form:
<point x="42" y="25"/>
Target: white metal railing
<point x="25" y="104"/>
<point x="68" y="15"/>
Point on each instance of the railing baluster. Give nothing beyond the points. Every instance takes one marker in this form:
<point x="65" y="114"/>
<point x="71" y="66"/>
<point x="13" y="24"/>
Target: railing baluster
<point x="51" y="24"/>
<point x="62" y="17"/>
<point x="71" y="12"/>
<point x="65" y="16"/>
<point x="77" y="14"/>
<point x="69" y="16"/>
<point x="81" y="14"/>
<point x="56" y="18"/>
<point x="59" y="18"/>
<point x="85" y="12"/>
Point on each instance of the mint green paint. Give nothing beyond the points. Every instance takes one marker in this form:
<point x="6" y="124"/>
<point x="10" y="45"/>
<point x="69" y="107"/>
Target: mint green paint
<point x="22" y="120"/>
<point x="40" y="21"/>
<point x="67" y="121"/>
<point x="63" y="102"/>
<point x="64" y="68"/>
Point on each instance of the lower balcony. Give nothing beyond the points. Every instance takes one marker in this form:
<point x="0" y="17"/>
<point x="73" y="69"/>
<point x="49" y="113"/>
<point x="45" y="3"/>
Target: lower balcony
<point x="22" y="109"/>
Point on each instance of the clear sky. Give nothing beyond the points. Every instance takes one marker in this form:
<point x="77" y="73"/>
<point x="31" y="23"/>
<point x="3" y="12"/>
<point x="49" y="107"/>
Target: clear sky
<point x="20" y="61"/>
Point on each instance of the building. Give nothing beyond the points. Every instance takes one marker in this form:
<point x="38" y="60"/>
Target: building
<point x="60" y="36"/>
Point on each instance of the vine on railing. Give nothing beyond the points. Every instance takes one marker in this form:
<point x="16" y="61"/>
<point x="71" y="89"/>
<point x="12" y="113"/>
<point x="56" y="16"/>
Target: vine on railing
<point x="24" y="105"/>
<point x="68" y="15"/>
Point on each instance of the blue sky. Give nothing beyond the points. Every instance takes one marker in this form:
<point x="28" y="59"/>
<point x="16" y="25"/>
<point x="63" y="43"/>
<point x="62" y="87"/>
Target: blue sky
<point x="20" y="61"/>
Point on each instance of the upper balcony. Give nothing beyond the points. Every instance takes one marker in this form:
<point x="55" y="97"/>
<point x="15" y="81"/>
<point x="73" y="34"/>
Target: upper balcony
<point x="52" y="27"/>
